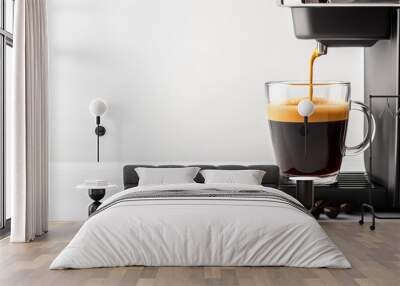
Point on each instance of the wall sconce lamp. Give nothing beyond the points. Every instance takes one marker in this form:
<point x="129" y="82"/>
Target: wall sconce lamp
<point x="97" y="108"/>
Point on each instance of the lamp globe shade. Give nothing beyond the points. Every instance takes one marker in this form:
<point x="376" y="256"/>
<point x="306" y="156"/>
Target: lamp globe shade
<point x="97" y="107"/>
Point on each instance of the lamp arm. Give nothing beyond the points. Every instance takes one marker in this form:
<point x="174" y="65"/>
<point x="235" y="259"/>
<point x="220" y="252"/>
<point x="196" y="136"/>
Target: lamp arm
<point x="99" y="131"/>
<point x="98" y="138"/>
<point x="98" y="147"/>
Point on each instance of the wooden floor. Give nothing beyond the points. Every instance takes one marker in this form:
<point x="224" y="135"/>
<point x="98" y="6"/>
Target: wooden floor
<point x="375" y="257"/>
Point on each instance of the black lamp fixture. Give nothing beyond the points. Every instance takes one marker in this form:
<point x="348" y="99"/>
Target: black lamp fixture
<point x="97" y="108"/>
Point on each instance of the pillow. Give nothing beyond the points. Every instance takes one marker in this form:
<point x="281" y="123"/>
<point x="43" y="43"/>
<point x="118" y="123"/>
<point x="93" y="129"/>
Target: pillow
<point x="165" y="176"/>
<point x="248" y="177"/>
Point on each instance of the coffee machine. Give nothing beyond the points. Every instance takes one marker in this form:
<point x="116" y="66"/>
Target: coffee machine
<point x="374" y="25"/>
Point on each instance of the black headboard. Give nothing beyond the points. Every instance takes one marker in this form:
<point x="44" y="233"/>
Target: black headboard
<point x="271" y="177"/>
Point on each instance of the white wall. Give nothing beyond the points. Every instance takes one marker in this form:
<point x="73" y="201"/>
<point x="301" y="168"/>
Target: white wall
<point x="184" y="81"/>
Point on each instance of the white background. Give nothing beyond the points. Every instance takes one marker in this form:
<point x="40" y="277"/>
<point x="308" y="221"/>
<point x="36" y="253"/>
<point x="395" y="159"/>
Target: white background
<point x="184" y="81"/>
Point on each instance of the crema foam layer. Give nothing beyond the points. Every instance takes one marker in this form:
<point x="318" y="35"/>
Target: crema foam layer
<point x="324" y="111"/>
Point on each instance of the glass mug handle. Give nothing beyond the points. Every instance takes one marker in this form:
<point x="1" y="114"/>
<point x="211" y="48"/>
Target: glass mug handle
<point x="369" y="135"/>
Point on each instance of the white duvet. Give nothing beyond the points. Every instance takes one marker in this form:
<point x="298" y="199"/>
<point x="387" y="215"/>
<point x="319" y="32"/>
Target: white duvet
<point x="193" y="231"/>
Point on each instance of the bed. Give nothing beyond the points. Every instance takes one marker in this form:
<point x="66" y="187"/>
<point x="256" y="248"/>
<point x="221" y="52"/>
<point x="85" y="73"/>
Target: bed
<point x="198" y="224"/>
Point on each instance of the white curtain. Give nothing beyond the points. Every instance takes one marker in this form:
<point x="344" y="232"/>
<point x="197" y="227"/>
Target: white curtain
<point x="27" y="117"/>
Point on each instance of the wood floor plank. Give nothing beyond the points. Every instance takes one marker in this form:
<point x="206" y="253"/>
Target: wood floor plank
<point x="375" y="257"/>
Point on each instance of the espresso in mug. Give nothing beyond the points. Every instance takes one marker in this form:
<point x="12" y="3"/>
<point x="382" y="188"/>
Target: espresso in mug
<point x="314" y="148"/>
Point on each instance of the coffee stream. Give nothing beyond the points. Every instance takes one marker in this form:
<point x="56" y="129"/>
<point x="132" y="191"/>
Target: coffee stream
<point x="315" y="54"/>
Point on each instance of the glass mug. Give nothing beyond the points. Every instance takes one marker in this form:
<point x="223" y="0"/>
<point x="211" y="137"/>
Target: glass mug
<point x="313" y="146"/>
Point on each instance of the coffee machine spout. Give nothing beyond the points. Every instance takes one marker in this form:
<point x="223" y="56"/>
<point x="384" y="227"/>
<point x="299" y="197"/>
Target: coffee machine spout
<point x="322" y="49"/>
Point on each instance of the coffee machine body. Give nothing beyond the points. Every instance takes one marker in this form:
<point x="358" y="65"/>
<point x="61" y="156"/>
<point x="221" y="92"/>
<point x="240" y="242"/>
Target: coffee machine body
<point x="374" y="25"/>
<point x="381" y="87"/>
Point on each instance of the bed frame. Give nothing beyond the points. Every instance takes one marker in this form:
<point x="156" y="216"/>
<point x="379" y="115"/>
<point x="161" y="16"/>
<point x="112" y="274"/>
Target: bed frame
<point x="270" y="179"/>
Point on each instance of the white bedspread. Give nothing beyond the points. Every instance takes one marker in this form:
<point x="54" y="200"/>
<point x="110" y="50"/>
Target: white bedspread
<point x="193" y="231"/>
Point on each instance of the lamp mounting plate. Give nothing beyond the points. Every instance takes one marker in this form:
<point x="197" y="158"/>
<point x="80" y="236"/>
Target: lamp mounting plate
<point x="100" y="130"/>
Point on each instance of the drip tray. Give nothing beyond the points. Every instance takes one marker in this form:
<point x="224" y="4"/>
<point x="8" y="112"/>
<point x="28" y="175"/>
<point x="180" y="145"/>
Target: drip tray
<point x="352" y="187"/>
